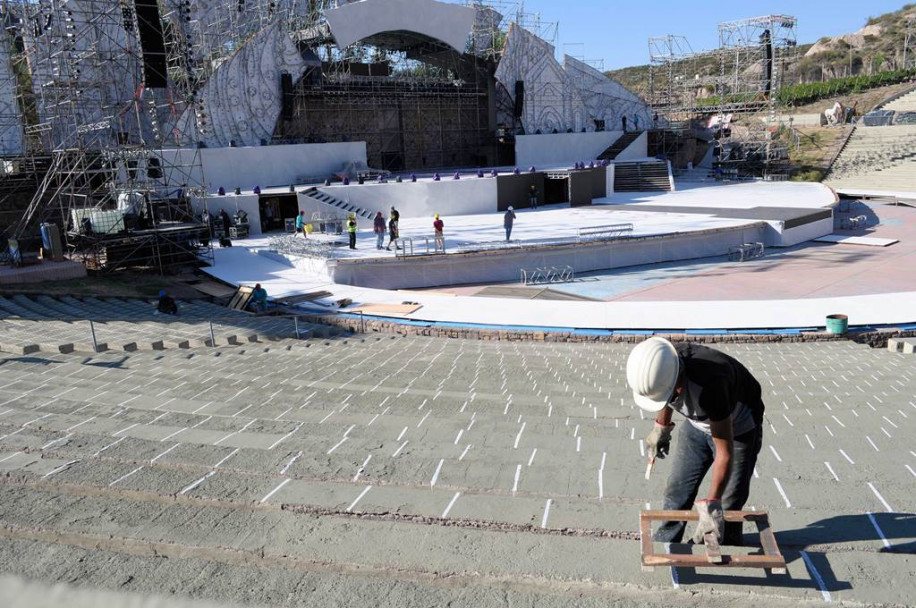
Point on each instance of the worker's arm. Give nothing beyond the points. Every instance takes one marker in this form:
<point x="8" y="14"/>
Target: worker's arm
<point x="723" y="439"/>
<point x="664" y="417"/>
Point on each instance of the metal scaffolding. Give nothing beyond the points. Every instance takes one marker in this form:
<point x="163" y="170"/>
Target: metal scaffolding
<point x="725" y="91"/>
<point x="99" y="120"/>
<point x="108" y="103"/>
<point x="416" y="103"/>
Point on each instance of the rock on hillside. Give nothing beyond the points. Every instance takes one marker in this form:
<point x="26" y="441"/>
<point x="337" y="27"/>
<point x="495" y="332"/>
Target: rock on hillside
<point x="856" y="41"/>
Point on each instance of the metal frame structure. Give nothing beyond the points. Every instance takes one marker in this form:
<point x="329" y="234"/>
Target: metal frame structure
<point x="102" y="134"/>
<point x="740" y="78"/>
<point x="771" y="560"/>
<point x="417" y="104"/>
<point x="87" y="108"/>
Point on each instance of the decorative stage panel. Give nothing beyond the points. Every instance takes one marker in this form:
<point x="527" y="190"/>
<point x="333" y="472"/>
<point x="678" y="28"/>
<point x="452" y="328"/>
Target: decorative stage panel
<point x="242" y="101"/>
<point x="561" y="98"/>
<point x="606" y="99"/>
<point x="551" y="103"/>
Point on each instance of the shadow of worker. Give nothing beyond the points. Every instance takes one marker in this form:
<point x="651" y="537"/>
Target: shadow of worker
<point x="820" y="574"/>
<point x="893" y="532"/>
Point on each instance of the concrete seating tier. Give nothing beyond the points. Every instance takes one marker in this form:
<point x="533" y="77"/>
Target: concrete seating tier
<point x="47" y="324"/>
<point x="883" y="158"/>
<point x="379" y="471"/>
<point x="906" y="103"/>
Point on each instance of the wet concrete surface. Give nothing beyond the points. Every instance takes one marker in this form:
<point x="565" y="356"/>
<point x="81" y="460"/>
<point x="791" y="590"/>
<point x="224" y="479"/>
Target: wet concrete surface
<point x="431" y="472"/>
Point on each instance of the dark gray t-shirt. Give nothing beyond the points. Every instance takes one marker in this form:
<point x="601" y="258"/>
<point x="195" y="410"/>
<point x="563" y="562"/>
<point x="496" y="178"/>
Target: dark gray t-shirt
<point x="717" y="387"/>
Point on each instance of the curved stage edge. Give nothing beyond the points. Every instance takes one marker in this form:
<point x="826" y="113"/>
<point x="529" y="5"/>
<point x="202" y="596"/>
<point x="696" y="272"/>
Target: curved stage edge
<point x="364" y="278"/>
<point x="240" y="266"/>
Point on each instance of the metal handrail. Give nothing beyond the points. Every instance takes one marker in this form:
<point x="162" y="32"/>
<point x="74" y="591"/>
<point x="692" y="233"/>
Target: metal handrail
<point x="408" y="242"/>
<point x="166" y="319"/>
<point x="610" y="231"/>
<point x="548" y="275"/>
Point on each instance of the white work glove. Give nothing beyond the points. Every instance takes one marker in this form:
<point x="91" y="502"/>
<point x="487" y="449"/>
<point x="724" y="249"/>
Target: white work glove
<point x="712" y="519"/>
<point x="658" y="443"/>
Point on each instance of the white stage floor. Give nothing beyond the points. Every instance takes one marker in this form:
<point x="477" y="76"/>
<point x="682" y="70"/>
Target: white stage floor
<point x="532" y="227"/>
<point x="562" y="222"/>
<point x="241" y="265"/>
<point x="799" y="195"/>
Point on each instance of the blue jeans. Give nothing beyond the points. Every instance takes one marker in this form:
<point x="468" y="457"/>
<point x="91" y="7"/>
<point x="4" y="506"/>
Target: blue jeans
<point x="508" y="232"/>
<point x="692" y="457"/>
<point x="379" y="240"/>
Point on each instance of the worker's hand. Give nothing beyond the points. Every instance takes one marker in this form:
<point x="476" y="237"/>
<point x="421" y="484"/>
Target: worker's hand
<point x="658" y="443"/>
<point x="712" y="519"/>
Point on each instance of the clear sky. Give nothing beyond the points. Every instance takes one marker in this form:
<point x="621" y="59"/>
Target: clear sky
<point x="618" y="32"/>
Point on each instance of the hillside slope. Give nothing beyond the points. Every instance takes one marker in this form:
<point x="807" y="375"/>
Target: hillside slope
<point x="877" y="47"/>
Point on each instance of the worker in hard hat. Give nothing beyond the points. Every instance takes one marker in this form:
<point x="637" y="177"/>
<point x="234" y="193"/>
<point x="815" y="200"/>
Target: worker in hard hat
<point x="438" y="228"/>
<point x="351" y="230"/>
<point x="721" y="402"/>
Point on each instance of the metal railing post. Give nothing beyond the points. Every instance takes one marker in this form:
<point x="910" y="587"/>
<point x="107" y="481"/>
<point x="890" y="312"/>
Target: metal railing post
<point x="362" y="323"/>
<point x="296" y="321"/>
<point x="212" y="335"/>
<point x="95" y="344"/>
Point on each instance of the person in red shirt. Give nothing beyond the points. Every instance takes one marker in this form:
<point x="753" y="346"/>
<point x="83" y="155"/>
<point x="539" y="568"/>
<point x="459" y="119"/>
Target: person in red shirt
<point x="379" y="228"/>
<point x="439" y="226"/>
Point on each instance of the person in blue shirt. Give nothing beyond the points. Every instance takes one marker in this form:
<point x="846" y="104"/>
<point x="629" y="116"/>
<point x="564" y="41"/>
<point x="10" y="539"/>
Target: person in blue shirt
<point x="259" y="298"/>
<point x="300" y="224"/>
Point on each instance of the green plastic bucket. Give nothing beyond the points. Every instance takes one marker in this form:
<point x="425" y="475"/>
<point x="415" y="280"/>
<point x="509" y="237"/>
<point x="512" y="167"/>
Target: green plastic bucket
<point x="837" y="324"/>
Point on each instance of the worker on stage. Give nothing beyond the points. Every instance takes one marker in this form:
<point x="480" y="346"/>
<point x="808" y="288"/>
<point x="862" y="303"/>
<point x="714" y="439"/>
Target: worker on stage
<point x="723" y="410"/>
<point x="351" y="230"/>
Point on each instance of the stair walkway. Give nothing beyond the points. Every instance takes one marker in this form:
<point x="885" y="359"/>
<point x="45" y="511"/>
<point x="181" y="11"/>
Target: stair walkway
<point x="336" y="204"/>
<point x="620" y="145"/>
<point x="649" y="176"/>
<point x="883" y="158"/>
<point x="906" y="103"/>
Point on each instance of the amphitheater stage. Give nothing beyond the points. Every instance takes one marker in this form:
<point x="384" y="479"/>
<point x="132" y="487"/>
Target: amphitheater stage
<point x="692" y="223"/>
<point x="721" y="304"/>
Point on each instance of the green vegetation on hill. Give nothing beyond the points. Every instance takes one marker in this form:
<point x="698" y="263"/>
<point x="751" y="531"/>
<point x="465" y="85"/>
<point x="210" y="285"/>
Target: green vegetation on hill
<point x="872" y="57"/>
<point x="801" y="94"/>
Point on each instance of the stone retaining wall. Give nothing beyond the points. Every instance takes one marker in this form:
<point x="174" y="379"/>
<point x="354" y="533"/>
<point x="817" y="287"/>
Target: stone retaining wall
<point x="875" y="339"/>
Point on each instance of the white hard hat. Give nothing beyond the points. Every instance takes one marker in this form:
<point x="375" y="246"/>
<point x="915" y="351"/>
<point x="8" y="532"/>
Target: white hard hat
<point x="511" y="208"/>
<point x="652" y="373"/>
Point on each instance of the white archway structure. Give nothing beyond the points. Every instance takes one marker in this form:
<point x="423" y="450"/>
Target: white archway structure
<point x="451" y="24"/>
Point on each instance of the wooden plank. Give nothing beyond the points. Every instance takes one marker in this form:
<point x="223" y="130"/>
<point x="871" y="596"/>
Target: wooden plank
<point x="240" y="300"/>
<point x="713" y="551"/>
<point x="645" y="541"/>
<point x="389" y="309"/>
<point x="730" y="516"/>
<point x="768" y="542"/>
<point x="728" y="561"/>
<point x="305" y="297"/>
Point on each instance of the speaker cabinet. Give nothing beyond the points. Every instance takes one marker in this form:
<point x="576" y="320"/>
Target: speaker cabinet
<point x="152" y="44"/>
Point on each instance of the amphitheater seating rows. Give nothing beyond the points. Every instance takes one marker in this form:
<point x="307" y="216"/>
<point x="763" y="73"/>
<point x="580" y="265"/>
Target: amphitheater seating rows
<point x="906" y="103"/>
<point x="48" y="324"/>
<point x="883" y="158"/>
<point x="481" y="453"/>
